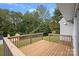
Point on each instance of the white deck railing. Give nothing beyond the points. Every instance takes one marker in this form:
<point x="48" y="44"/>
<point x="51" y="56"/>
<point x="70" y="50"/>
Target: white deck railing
<point x="12" y="44"/>
<point x="29" y="38"/>
<point x="65" y="39"/>
<point x="10" y="49"/>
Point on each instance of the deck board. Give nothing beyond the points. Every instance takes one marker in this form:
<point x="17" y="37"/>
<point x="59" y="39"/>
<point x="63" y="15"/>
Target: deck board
<point x="46" y="48"/>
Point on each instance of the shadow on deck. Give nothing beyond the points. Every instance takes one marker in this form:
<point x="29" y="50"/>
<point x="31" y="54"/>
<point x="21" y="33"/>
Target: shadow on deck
<point x="46" y="48"/>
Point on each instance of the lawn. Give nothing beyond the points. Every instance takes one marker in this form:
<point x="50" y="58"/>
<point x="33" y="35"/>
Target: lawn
<point x="55" y="38"/>
<point x="1" y="50"/>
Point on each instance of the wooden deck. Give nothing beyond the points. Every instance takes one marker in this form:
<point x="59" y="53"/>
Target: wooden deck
<point x="46" y="48"/>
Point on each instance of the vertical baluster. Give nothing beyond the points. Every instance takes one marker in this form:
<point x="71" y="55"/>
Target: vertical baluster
<point x="27" y="39"/>
<point x="39" y="37"/>
<point x="42" y="36"/>
<point x="18" y="41"/>
<point x="63" y="39"/>
<point x="68" y="38"/>
<point x="15" y="41"/>
<point x="52" y="37"/>
<point x="71" y="42"/>
<point x="30" y="40"/>
<point x="10" y="39"/>
<point x="49" y="37"/>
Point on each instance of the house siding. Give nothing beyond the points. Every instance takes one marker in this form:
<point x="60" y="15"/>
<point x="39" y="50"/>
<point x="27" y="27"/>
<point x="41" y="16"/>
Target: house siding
<point x="66" y="28"/>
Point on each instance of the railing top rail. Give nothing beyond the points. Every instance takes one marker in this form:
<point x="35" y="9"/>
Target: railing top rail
<point x="26" y="35"/>
<point x="66" y="35"/>
<point x="33" y="34"/>
<point x="50" y="34"/>
<point x="13" y="49"/>
<point x="53" y="34"/>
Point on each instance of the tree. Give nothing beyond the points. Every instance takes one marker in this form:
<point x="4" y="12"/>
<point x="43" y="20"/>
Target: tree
<point x="54" y="24"/>
<point x="32" y="21"/>
<point x="57" y="15"/>
<point x="7" y="19"/>
<point x="16" y="19"/>
<point x="43" y="15"/>
<point x="12" y="22"/>
<point x="43" y="12"/>
<point x="4" y="23"/>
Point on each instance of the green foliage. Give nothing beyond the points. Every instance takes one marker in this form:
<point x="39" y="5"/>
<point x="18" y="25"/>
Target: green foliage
<point x="31" y="22"/>
<point x="54" y="24"/>
<point x="43" y="16"/>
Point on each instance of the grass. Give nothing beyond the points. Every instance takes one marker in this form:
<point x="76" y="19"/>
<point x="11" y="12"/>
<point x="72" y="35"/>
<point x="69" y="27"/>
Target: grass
<point x="1" y="50"/>
<point x="52" y="38"/>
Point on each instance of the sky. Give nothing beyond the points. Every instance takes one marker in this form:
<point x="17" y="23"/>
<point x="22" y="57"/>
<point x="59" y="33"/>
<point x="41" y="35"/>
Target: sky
<point x="23" y="7"/>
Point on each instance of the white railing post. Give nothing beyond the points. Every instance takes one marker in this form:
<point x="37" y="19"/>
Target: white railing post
<point x="11" y="49"/>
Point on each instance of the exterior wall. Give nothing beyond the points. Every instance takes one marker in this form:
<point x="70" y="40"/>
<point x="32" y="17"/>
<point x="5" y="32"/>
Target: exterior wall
<point x="66" y="28"/>
<point x="68" y="11"/>
<point x="76" y="35"/>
